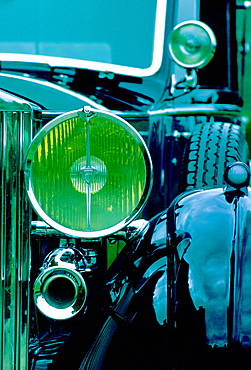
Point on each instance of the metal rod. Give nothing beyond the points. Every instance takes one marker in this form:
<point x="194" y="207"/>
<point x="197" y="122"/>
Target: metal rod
<point x="223" y="110"/>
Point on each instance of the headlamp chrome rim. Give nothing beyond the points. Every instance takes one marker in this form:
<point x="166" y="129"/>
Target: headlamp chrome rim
<point x="204" y="61"/>
<point x="85" y="233"/>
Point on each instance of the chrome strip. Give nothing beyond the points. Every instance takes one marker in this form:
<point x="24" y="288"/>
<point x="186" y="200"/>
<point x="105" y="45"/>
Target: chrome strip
<point x="15" y="135"/>
<point x="192" y="110"/>
<point x="222" y="110"/>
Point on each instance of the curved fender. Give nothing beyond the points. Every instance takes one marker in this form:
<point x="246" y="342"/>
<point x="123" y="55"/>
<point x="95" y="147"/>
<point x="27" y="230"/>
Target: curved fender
<point x="209" y="219"/>
<point x="160" y="291"/>
<point x="158" y="265"/>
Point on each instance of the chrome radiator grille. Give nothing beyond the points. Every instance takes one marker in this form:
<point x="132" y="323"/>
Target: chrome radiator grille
<point x="16" y="118"/>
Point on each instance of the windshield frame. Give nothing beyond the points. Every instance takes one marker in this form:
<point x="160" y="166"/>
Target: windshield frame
<point x="158" y="49"/>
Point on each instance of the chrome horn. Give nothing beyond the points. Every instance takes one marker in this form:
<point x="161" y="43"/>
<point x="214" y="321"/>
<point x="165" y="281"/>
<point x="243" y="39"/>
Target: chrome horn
<point x="60" y="290"/>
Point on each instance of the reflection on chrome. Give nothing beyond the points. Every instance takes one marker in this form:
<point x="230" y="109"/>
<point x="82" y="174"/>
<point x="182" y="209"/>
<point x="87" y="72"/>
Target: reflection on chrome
<point x="60" y="290"/>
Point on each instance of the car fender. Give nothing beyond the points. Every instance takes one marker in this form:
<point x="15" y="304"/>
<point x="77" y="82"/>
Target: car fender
<point x="219" y="262"/>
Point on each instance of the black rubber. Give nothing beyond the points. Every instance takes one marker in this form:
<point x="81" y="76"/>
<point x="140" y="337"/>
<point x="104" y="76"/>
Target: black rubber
<point x="213" y="145"/>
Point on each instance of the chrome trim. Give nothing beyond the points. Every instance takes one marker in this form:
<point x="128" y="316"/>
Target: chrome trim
<point x="245" y="5"/>
<point x="16" y="117"/>
<point x="60" y="290"/>
<point x="41" y="228"/>
<point x="192" y="110"/>
<point x="105" y="67"/>
<point x="86" y="233"/>
<point x="222" y="110"/>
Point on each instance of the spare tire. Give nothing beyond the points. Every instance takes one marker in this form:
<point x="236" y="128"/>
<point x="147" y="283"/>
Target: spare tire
<point x="212" y="146"/>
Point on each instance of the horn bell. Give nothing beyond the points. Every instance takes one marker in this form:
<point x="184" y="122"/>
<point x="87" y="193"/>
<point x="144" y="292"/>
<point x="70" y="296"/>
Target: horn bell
<point x="60" y="292"/>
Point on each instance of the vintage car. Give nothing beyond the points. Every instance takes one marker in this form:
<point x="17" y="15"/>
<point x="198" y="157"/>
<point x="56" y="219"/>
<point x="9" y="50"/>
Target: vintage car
<point x="124" y="191"/>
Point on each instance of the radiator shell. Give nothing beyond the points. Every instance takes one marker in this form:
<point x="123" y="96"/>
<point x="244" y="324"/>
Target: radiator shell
<point x="17" y="120"/>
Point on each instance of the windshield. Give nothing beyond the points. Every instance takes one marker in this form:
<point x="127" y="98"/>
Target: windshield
<point x="124" y="33"/>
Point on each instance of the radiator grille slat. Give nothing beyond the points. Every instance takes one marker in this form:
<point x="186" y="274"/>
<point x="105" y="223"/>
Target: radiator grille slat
<point x="15" y="136"/>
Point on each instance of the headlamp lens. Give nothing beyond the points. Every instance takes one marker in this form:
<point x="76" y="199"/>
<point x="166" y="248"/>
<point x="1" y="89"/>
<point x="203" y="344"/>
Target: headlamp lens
<point x="88" y="175"/>
<point x="192" y="44"/>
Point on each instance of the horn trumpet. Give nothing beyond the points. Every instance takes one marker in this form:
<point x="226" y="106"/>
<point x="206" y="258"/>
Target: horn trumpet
<point x="60" y="290"/>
